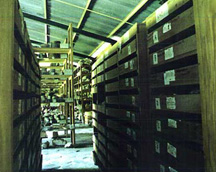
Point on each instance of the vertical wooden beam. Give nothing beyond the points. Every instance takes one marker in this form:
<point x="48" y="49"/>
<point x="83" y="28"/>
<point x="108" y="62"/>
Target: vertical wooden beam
<point x="204" y="12"/>
<point x="6" y="87"/>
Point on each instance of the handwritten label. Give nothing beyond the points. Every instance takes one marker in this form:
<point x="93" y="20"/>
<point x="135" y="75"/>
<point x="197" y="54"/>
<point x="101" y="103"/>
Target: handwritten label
<point x="169" y="53"/>
<point x="158" y="125"/>
<point x="128" y="114"/>
<point x="171" y="102"/>
<point x="157" y="103"/>
<point x="155" y="58"/>
<point x="169" y="76"/>
<point x="133" y="116"/>
<point x="157" y="146"/>
<point x="167" y="27"/>
<point x="162" y="12"/>
<point x="19" y="79"/>
<point x="155" y="37"/>
<point x="172" y="150"/>
<point x="126" y="82"/>
<point x="172" y="123"/>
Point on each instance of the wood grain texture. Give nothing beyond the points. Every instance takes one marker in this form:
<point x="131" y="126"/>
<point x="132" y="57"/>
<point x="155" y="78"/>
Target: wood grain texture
<point x="6" y="87"/>
<point x="204" y="12"/>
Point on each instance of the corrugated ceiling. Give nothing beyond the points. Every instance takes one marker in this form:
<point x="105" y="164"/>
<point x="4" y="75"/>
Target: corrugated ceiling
<point x="101" y="18"/>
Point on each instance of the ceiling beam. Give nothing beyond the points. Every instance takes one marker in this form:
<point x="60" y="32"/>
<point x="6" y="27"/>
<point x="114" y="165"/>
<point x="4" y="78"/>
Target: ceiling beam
<point x="82" y="17"/>
<point x="46" y="16"/>
<point x="123" y="22"/>
<point x="65" y="27"/>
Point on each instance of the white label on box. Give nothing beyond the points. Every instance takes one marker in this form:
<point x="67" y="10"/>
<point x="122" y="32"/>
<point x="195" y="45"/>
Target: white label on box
<point x="169" y="53"/>
<point x="171" y="102"/>
<point x="135" y="153"/>
<point x="133" y="100"/>
<point x="126" y="65"/>
<point x="133" y="116"/>
<point x="128" y="114"/>
<point x="155" y="37"/>
<point x="157" y="103"/>
<point x="158" y="125"/>
<point x="132" y="82"/>
<point x="129" y="148"/>
<point x="19" y="79"/>
<point x="162" y="12"/>
<point x="155" y="58"/>
<point x="127" y="36"/>
<point x="172" y="123"/>
<point x="129" y="131"/>
<point x="157" y="147"/>
<point x="131" y="64"/>
<point x="167" y="27"/>
<point x="129" y="50"/>
<point x="172" y="150"/>
<point x="127" y="82"/>
<point x="20" y="56"/>
<point x="19" y="107"/>
<point x="172" y="169"/>
<point x="169" y="76"/>
<point x="134" y="135"/>
<point x="162" y="168"/>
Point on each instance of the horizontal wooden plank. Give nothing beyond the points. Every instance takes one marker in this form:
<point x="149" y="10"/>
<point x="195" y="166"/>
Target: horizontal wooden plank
<point x="181" y="130"/>
<point x="188" y="103"/>
<point x="52" y="50"/>
<point x="182" y="76"/>
<point x="46" y="60"/>
<point x="111" y="87"/>
<point x="171" y="28"/>
<point x="127" y="50"/>
<point x="112" y="74"/>
<point x="129" y="66"/>
<point x="179" y="50"/>
<point x="163" y="11"/>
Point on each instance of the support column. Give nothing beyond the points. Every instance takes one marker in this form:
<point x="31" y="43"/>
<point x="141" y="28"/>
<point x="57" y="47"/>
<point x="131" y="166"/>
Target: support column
<point x="205" y="22"/>
<point x="6" y="87"/>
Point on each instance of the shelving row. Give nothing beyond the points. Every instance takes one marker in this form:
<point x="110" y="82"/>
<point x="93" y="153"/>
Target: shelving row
<point x="175" y="90"/>
<point x="118" y="88"/>
<point x="26" y="100"/>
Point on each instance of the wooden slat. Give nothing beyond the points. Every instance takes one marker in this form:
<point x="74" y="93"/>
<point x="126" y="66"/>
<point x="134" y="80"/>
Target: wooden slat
<point x="52" y="50"/>
<point x="204" y="12"/>
<point x="46" y="60"/>
<point x="6" y="87"/>
<point x="55" y="76"/>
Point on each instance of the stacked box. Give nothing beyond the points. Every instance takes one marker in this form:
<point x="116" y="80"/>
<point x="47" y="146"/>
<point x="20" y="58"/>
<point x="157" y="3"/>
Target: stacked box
<point x="175" y="93"/>
<point x="26" y="84"/>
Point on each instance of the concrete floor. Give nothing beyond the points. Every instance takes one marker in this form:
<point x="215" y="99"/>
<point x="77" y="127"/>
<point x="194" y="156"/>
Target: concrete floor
<point x="75" y="159"/>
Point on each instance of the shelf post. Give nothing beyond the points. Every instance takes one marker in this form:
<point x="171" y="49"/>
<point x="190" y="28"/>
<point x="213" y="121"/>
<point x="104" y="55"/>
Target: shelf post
<point x="6" y="86"/>
<point x="205" y="23"/>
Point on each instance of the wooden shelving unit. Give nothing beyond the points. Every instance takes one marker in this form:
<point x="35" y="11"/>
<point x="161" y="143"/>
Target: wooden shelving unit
<point x="20" y="144"/>
<point x="175" y="88"/>
<point x="82" y="87"/>
<point x="121" y="115"/>
<point x="63" y="82"/>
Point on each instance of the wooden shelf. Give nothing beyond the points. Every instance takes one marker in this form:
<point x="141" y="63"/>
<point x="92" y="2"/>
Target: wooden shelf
<point x="55" y="76"/>
<point x="52" y="50"/>
<point x="46" y="60"/>
<point x="52" y="67"/>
